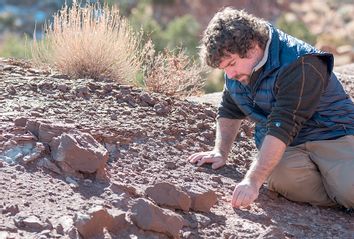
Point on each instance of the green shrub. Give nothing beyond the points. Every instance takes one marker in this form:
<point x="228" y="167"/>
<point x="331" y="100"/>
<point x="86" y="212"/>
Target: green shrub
<point x="290" y="24"/>
<point x="14" y="46"/>
<point x="182" y="32"/>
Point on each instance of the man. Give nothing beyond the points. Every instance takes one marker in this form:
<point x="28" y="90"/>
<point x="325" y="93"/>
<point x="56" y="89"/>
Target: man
<point x="304" y="119"/>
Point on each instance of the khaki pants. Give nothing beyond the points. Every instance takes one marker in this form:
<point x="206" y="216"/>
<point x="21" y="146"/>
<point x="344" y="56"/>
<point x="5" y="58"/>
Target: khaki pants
<point x="317" y="172"/>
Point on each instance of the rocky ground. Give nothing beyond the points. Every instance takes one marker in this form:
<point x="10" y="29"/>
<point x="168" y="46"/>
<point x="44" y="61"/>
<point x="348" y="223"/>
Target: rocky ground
<point x="93" y="159"/>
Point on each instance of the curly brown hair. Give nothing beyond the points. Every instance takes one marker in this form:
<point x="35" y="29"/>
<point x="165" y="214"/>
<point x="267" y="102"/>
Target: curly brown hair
<point x="231" y="31"/>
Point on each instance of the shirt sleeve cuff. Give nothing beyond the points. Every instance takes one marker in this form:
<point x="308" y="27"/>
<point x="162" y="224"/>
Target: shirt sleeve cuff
<point x="280" y="134"/>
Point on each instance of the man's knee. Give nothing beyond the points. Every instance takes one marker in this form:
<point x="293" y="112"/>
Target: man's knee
<point x="343" y="194"/>
<point x="288" y="180"/>
<point x="299" y="181"/>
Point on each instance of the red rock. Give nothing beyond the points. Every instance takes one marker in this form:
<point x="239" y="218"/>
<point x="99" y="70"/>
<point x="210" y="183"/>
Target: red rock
<point x="21" y="121"/>
<point x="63" y="88"/>
<point x="166" y="194"/>
<point x="118" y="187"/>
<point x="46" y="132"/>
<point x="145" y="97"/>
<point x="11" y="209"/>
<point x="79" y="151"/>
<point x="98" y="218"/>
<point x="119" y="220"/>
<point x="147" y="216"/>
<point x="33" y="126"/>
<point x="202" y="199"/>
<point x="161" y="108"/>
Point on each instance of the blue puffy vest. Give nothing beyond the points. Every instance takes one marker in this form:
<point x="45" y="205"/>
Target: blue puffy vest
<point x="334" y="115"/>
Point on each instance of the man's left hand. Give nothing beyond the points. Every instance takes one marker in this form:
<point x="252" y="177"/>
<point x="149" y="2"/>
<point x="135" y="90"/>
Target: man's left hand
<point x="244" y="194"/>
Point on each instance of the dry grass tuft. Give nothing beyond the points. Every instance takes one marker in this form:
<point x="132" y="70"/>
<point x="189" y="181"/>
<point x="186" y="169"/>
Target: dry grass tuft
<point x="93" y="42"/>
<point x="173" y="74"/>
<point x="97" y="42"/>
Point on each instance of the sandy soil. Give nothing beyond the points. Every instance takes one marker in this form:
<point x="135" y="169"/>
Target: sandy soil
<point x="138" y="184"/>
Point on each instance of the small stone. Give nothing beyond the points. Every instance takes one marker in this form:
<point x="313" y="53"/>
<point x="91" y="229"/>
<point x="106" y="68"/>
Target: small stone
<point x="20" y="168"/>
<point x="82" y="92"/>
<point x="48" y="164"/>
<point x="11" y="90"/>
<point x="87" y="181"/>
<point x="161" y="108"/>
<point x="59" y="76"/>
<point x="20" y="121"/>
<point x="187" y="234"/>
<point x="145" y="97"/>
<point x="217" y="179"/>
<point x="202" y="220"/>
<point x="170" y="165"/>
<point x="72" y="183"/>
<point x="12" y="210"/>
<point x="33" y="222"/>
<point x="63" y="88"/>
<point x="119" y="188"/>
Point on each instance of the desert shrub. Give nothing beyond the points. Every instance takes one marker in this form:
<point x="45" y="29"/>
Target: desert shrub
<point x="92" y="41"/>
<point x="173" y="73"/>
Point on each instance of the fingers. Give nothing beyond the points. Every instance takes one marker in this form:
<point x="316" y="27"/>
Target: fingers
<point x="235" y="196"/>
<point x="207" y="159"/>
<point x="241" y="197"/>
<point x="196" y="157"/>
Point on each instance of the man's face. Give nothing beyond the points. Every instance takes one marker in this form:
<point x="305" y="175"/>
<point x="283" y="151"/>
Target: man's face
<point x="240" y="68"/>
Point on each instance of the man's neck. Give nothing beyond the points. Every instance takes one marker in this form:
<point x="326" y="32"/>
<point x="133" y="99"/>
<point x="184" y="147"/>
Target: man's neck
<point x="264" y="53"/>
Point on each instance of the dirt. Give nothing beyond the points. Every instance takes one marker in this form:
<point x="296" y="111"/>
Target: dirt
<point x="145" y="188"/>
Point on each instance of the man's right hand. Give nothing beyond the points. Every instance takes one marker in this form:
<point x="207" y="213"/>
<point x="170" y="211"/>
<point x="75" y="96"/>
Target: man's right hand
<point x="214" y="157"/>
